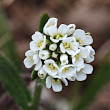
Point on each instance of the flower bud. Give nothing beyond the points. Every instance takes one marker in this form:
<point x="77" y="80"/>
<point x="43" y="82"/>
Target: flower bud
<point x="44" y="54"/>
<point x="42" y="73"/>
<point x="53" y="47"/>
<point x="64" y="59"/>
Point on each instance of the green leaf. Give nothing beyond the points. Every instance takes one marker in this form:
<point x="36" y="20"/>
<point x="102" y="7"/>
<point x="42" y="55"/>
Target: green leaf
<point x="101" y="76"/>
<point x="34" y="74"/>
<point x="44" y="18"/>
<point x="14" y="84"/>
<point x="7" y="45"/>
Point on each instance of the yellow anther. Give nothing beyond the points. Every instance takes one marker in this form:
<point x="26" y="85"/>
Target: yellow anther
<point x="64" y="61"/>
<point x="56" y="81"/>
<point x="41" y="75"/>
<point x="65" y="69"/>
<point x="73" y="77"/>
<point x="88" y="33"/>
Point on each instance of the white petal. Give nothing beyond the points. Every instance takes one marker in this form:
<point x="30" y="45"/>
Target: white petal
<point x="70" y="52"/>
<point x="74" y="45"/>
<point x="50" y="22"/>
<point x="62" y="49"/>
<point x="57" y="87"/>
<point x="37" y="36"/>
<point x="38" y="65"/>
<point x="30" y="53"/>
<point x="42" y="73"/>
<point x="71" y="29"/>
<point x="81" y="76"/>
<point x="65" y="81"/>
<point x="89" y="59"/>
<point x="48" y="82"/>
<point x="33" y="46"/>
<point x="87" y="69"/>
<point x="88" y="40"/>
<point x="54" y="40"/>
<point x="52" y="30"/>
<point x="63" y="29"/>
<point x="84" y="52"/>
<point x="49" y="61"/>
<point x="79" y="32"/>
<point x="46" y="69"/>
<point x="36" y="58"/>
<point x="79" y="62"/>
<point x="28" y="63"/>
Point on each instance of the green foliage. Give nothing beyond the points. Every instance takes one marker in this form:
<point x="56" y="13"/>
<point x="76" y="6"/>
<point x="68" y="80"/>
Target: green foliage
<point x="44" y="18"/>
<point x="34" y="74"/>
<point x="7" y="45"/>
<point x="101" y="76"/>
<point x="14" y="84"/>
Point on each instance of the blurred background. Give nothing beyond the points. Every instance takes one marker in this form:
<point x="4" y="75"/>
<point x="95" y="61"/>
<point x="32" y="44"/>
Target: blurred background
<point x="19" y="19"/>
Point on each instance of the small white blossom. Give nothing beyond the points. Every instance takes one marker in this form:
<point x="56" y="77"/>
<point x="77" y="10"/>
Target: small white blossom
<point x="82" y="38"/>
<point x="55" y="83"/>
<point x="53" y="47"/>
<point x="58" y="34"/>
<point x="67" y="70"/>
<point x="90" y="57"/>
<point x="71" y="29"/>
<point x="64" y="59"/>
<point x="78" y="57"/>
<point x="51" y="67"/>
<point x="50" y="22"/>
<point x="69" y="45"/>
<point x="28" y="61"/>
<point x="44" y="54"/>
<point x="39" y="41"/>
<point x="37" y="61"/>
<point x="81" y="74"/>
<point x="41" y="73"/>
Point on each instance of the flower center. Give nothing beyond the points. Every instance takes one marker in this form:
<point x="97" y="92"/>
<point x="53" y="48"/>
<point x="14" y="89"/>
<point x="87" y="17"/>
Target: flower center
<point x="39" y="44"/>
<point x="64" y="61"/>
<point x="65" y="70"/>
<point x="80" y="71"/>
<point x="57" y="36"/>
<point x="78" y="56"/>
<point x="79" y="40"/>
<point x="30" y="59"/>
<point x="43" y="55"/>
<point x="41" y="75"/>
<point x="67" y="46"/>
<point x="52" y="67"/>
<point x="56" y="81"/>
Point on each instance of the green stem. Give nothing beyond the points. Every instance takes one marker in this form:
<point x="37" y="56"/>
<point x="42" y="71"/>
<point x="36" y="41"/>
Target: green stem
<point x="37" y="94"/>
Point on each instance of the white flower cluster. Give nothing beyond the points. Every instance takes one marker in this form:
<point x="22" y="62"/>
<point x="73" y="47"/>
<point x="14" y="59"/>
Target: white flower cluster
<point x="60" y="54"/>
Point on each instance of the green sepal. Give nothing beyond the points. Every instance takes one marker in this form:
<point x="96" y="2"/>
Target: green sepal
<point x="34" y="74"/>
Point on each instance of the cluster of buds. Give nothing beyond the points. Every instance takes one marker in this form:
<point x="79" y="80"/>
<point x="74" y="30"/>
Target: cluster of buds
<point x="60" y="54"/>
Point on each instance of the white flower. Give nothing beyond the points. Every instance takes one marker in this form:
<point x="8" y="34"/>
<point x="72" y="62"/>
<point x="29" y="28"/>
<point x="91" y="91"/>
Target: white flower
<point x="41" y="73"/>
<point x="67" y="70"/>
<point x="72" y="78"/>
<point x="69" y="45"/>
<point x="58" y="34"/>
<point x="50" y="22"/>
<point x="71" y="29"/>
<point x="37" y="61"/>
<point x="53" y="47"/>
<point x="90" y="57"/>
<point x="82" y="38"/>
<point x="28" y="61"/>
<point x="81" y="74"/>
<point x="39" y="41"/>
<point x="55" y="83"/>
<point x="44" y="54"/>
<point x="64" y="59"/>
<point x="51" y="67"/>
<point x="78" y="57"/>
